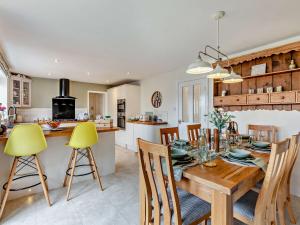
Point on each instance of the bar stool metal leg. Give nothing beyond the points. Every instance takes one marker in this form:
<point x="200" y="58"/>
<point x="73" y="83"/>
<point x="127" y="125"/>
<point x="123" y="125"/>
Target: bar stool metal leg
<point x="10" y="179"/>
<point x="72" y="172"/>
<point x="44" y="185"/>
<point x="95" y="167"/>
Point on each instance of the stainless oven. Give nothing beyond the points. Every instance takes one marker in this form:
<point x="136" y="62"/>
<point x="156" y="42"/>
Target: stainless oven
<point x="121" y="110"/>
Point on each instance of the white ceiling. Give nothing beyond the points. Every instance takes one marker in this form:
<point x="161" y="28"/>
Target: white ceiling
<point x="110" y="38"/>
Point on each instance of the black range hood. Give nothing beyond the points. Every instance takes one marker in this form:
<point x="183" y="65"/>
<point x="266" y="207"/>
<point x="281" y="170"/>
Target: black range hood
<point x="64" y="89"/>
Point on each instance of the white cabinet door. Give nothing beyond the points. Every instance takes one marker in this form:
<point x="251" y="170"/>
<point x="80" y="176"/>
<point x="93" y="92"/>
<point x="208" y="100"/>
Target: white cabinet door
<point x="26" y="93"/>
<point x="16" y="91"/>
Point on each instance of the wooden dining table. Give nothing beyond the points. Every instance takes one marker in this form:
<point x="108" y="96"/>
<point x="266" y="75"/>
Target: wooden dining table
<point x="221" y="186"/>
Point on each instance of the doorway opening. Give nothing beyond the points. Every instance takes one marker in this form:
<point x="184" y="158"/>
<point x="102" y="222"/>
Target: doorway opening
<point x="97" y="104"/>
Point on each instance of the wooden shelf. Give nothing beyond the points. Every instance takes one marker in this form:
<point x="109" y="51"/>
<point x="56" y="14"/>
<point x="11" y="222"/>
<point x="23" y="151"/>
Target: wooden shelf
<point x="266" y="74"/>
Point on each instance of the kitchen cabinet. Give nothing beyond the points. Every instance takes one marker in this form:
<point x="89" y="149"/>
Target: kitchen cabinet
<point x="131" y="94"/>
<point x="20" y="91"/>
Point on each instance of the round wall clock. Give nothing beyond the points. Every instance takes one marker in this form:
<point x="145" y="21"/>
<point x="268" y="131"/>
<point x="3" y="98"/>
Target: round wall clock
<point x="156" y="99"/>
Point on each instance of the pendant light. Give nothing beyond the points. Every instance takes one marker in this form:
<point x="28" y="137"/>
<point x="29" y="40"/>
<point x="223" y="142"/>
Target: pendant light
<point x="233" y="78"/>
<point x="199" y="67"/>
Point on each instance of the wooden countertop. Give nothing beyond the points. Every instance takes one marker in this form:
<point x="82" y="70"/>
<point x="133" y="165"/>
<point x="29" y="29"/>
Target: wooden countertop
<point x="64" y="132"/>
<point x="148" y="122"/>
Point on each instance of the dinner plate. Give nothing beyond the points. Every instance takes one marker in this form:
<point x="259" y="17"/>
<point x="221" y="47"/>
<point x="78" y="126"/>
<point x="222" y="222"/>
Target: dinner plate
<point x="178" y="153"/>
<point x="239" y="153"/>
<point x="261" y="144"/>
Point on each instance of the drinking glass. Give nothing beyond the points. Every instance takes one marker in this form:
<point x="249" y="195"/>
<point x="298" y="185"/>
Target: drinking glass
<point x="239" y="140"/>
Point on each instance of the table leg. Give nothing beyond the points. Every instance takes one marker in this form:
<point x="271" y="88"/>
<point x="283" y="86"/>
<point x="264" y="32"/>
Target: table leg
<point x="142" y="199"/>
<point x="221" y="209"/>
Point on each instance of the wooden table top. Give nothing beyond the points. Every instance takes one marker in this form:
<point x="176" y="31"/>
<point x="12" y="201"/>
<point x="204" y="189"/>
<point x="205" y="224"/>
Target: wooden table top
<point x="225" y="177"/>
<point x="64" y="132"/>
<point x="149" y="122"/>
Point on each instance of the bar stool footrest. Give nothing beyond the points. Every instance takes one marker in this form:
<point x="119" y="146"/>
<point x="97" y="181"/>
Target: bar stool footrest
<point x="80" y="175"/>
<point x="22" y="177"/>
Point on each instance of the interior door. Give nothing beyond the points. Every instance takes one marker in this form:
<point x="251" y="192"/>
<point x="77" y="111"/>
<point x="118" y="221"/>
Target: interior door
<point x="96" y="105"/>
<point x="193" y="104"/>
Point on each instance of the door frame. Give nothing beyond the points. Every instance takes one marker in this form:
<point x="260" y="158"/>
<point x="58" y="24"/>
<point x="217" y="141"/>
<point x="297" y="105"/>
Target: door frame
<point x="208" y="90"/>
<point x="105" y="100"/>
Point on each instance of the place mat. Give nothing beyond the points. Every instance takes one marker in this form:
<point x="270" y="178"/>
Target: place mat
<point x="249" y="161"/>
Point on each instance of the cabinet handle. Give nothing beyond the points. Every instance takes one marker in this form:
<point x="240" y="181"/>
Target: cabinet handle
<point x="221" y="100"/>
<point x="282" y="97"/>
<point x="238" y="100"/>
<point x="258" y="99"/>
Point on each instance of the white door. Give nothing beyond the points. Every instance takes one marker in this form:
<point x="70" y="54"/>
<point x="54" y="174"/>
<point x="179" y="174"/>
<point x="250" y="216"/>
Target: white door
<point x="193" y="104"/>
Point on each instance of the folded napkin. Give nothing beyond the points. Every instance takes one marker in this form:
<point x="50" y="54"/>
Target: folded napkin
<point x="252" y="147"/>
<point x="249" y="161"/>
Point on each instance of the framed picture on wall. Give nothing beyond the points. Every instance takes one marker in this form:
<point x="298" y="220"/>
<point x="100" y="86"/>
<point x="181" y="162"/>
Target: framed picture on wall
<point x="156" y="99"/>
<point x="258" y="69"/>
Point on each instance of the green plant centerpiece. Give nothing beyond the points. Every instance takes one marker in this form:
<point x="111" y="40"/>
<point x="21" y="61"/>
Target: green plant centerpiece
<point x="219" y="118"/>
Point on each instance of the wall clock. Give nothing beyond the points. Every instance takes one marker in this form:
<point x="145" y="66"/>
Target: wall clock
<point x="156" y="99"/>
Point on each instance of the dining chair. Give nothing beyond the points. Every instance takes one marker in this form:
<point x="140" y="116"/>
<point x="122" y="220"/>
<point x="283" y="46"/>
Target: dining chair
<point x="168" y="135"/>
<point x="193" y="131"/>
<point x="284" y="196"/>
<point x="260" y="208"/>
<point x="165" y="202"/>
<point x="263" y="132"/>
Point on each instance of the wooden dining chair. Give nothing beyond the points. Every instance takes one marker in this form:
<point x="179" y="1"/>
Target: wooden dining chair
<point x="168" y="135"/>
<point x="260" y="208"/>
<point x="193" y="131"/>
<point x="165" y="202"/>
<point x="284" y="196"/>
<point x="263" y="132"/>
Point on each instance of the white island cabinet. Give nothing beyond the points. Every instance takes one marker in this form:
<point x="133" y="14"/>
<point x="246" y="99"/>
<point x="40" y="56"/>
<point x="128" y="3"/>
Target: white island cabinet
<point x="149" y="131"/>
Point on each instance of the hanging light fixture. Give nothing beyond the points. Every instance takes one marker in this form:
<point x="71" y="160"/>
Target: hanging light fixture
<point x="233" y="78"/>
<point x="200" y="66"/>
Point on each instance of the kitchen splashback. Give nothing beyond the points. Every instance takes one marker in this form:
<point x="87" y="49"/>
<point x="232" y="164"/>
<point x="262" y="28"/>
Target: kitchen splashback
<point x="32" y="114"/>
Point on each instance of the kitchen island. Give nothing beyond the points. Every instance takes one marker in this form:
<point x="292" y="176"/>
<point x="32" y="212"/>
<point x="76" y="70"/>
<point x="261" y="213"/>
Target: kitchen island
<point x="55" y="159"/>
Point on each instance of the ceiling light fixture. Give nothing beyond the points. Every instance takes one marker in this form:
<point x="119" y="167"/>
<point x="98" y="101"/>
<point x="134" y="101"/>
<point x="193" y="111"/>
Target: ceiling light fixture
<point x="56" y="60"/>
<point x="49" y="74"/>
<point x="233" y="78"/>
<point x="88" y="73"/>
<point x="200" y="66"/>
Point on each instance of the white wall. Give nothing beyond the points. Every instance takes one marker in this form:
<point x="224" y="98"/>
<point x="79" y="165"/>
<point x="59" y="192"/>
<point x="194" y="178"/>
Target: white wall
<point x="288" y="122"/>
<point x="3" y="88"/>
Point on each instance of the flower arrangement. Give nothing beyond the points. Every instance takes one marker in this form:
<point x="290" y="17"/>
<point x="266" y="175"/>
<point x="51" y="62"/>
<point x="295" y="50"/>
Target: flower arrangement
<point x="2" y="107"/>
<point x="219" y="118"/>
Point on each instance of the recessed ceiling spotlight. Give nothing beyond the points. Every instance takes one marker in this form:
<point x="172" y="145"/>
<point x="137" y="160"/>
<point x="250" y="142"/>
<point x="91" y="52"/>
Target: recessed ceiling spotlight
<point x="56" y="60"/>
<point x="88" y="73"/>
<point x="49" y="74"/>
<point x="128" y="73"/>
<point x="107" y="81"/>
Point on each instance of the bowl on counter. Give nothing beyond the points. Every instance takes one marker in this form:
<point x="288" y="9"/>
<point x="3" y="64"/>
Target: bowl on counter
<point x="53" y="124"/>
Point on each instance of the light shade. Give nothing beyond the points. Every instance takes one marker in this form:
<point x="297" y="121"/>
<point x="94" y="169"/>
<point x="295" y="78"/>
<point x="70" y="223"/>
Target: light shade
<point x="218" y="73"/>
<point x="233" y="78"/>
<point x="199" y="67"/>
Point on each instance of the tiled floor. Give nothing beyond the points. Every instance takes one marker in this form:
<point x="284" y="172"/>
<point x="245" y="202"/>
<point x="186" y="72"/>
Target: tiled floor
<point x="117" y="205"/>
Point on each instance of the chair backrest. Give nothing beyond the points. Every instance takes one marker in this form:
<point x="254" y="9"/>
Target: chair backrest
<point x="291" y="159"/>
<point x="156" y="166"/>
<point x="265" y="210"/>
<point x="25" y="140"/>
<point x="168" y="135"/>
<point x="84" y="135"/>
<point x="193" y="131"/>
<point x="263" y="132"/>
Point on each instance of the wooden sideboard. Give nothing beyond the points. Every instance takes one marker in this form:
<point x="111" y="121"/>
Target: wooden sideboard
<point x="277" y="74"/>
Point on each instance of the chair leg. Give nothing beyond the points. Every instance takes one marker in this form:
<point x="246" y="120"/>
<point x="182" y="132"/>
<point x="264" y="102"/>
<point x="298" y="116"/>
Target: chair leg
<point x="72" y="172"/>
<point x="95" y="167"/>
<point x="91" y="163"/>
<point x="280" y="209"/>
<point x="290" y="211"/>
<point x="69" y="165"/>
<point x="44" y="185"/>
<point x="10" y="179"/>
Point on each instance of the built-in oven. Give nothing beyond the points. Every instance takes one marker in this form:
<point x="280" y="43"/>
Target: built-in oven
<point x="121" y="110"/>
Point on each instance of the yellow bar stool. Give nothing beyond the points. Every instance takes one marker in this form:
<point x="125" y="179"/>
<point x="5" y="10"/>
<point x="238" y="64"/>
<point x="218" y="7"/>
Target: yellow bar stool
<point x="84" y="136"/>
<point x="24" y="143"/>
